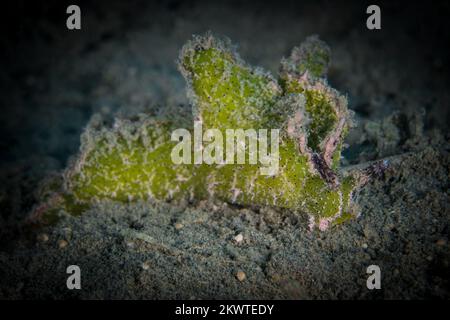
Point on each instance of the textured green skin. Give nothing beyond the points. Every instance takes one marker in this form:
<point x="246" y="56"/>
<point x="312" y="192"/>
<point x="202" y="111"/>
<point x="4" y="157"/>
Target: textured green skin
<point x="133" y="171"/>
<point x="133" y="160"/>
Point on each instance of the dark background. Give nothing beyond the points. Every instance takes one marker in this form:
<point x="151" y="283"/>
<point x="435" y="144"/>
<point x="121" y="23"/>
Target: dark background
<point x="36" y="44"/>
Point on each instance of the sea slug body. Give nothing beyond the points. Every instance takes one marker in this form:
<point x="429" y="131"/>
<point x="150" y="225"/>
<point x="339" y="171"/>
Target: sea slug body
<point x="132" y="160"/>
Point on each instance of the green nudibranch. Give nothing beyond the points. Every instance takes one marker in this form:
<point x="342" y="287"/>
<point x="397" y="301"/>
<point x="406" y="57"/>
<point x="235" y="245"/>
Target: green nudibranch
<point x="132" y="159"/>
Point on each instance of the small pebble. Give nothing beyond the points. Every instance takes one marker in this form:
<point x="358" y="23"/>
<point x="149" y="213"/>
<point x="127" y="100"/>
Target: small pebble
<point x="178" y="226"/>
<point x="240" y="275"/>
<point x="42" y="237"/>
<point x="429" y="258"/>
<point x="275" y="277"/>
<point x="365" y="246"/>
<point x="441" y="242"/>
<point x="239" y="238"/>
<point x="145" y="265"/>
<point x="62" y="243"/>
